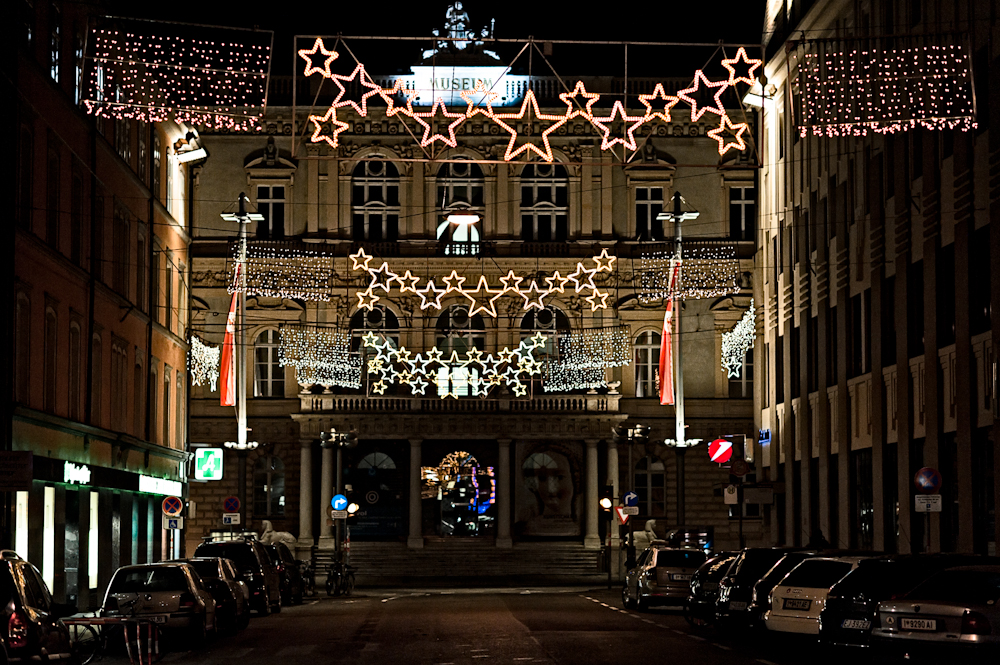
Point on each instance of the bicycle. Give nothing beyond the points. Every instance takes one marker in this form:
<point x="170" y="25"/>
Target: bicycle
<point x="308" y="577"/>
<point x="87" y="642"/>
<point x="339" y="579"/>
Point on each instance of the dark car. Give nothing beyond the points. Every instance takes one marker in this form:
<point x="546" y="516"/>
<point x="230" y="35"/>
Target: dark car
<point x="770" y="579"/>
<point x="700" y="607"/>
<point x="30" y="626"/>
<point x="289" y="571"/>
<point x="232" y="596"/>
<point x="852" y="606"/>
<point x="254" y="567"/>
<point x="662" y="576"/>
<point x="736" y="587"/>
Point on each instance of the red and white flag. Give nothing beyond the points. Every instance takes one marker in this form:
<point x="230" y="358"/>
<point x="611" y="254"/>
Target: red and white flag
<point x="666" y="347"/>
<point x="227" y="377"/>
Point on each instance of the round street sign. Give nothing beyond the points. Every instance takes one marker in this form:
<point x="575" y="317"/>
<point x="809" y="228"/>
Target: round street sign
<point x="739" y="467"/>
<point x="630" y="499"/>
<point x="172" y="506"/>
<point x="339" y="502"/>
<point x="927" y="480"/>
<point x="372" y="497"/>
<point x="231" y="504"/>
<point x="720" y="451"/>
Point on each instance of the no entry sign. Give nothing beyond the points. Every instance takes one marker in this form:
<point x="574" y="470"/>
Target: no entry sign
<point x="720" y="451"/>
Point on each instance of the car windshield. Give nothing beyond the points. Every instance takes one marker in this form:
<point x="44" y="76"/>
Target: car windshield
<point x="780" y="569"/>
<point x="817" y="574"/>
<point x="137" y="580"/>
<point x="208" y="569"/>
<point x="969" y="586"/>
<point x="679" y="558"/>
<point x="240" y="553"/>
<point x="754" y="563"/>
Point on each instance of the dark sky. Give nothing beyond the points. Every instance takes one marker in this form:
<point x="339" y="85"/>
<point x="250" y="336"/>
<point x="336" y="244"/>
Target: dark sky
<point x="726" y="20"/>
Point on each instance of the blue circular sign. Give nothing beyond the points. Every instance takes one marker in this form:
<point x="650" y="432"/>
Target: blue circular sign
<point x="928" y="480"/>
<point x="339" y="502"/>
<point x="631" y="499"/>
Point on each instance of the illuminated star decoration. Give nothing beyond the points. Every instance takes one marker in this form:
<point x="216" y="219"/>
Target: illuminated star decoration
<point x="335" y="125"/>
<point x="631" y="124"/>
<point x="362" y="77"/>
<point x="483" y="298"/>
<point x="570" y="99"/>
<point x="737" y="342"/>
<point x="428" y="137"/>
<point x="753" y="64"/>
<point x="658" y="93"/>
<point x="310" y="54"/>
<point x="725" y="146"/>
<point x="478" y="371"/>
<point x="699" y="78"/>
<point x="530" y="105"/>
<point x="389" y="94"/>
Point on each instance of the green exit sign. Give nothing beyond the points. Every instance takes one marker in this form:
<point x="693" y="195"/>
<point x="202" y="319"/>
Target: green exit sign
<point x="208" y="464"/>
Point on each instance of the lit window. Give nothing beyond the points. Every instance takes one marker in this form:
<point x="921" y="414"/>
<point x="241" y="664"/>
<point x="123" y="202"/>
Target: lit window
<point x="55" y="21"/>
<point x="460" y="187"/>
<point x="460" y="333"/>
<point x="380" y="321"/>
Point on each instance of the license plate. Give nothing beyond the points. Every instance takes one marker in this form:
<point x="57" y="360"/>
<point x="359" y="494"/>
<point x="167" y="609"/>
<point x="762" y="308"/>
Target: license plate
<point x="737" y="606"/>
<point x="857" y="624"/>
<point x="678" y="577"/>
<point x="918" y="624"/>
<point x="157" y="618"/>
<point x="796" y="604"/>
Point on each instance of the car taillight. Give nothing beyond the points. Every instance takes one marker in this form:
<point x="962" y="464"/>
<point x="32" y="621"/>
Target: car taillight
<point x="280" y="568"/>
<point x="17" y="630"/>
<point x="187" y="601"/>
<point x="974" y="623"/>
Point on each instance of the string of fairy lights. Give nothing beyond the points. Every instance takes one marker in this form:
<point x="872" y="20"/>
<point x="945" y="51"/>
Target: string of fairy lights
<point x="737" y="342"/>
<point x="584" y="355"/>
<point x="852" y="92"/>
<point x="705" y="271"/>
<point x="279" y="270"/>
<point x="203" y="363"/>
<point x="320" y="356"/>
<point x="439" y="124"/>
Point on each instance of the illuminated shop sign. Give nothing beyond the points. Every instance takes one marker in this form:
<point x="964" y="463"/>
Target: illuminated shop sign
<point x="76" y="474"/>
<point x="449" y="82"/>
<point x="160" y="486"/>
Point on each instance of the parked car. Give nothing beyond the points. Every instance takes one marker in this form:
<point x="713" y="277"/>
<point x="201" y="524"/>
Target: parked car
<point x="953" y="616"/>
<point x="736" y="586"/>
<point x="759" y="598"/>
<point x="662" y="576"/>
<point x="852" y="605"/>
<point x="797" y="600"/>
<point x="254" y="567"/>
<point x="289" y="572"/>
<point x="170" y="594"/>
<point x="232" y="597"/>
<point x="30" y="626"/>
<point x="700" y="607"/>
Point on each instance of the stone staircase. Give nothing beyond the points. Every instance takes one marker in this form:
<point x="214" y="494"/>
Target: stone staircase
<point x="475" y="562"/>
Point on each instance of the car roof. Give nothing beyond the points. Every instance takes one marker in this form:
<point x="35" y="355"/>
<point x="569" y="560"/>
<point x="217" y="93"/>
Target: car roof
<point x="157" y="564"/>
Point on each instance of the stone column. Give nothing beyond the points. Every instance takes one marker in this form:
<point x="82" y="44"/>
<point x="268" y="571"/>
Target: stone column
<point x="326" y="494"/>
<point x="416" y="536"/>
<point x="591" y="536"/>
<point x="503" y="494"/>
<point x="306" y="498"/>
<point x="616" y="552"/>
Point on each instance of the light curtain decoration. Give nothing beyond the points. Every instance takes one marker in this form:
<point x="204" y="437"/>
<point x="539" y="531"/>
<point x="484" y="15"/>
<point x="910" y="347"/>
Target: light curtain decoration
<point x="203" y="363"/>
<point x="584" y="355"/>
<point x="439" y="124"/>
<point x="849" y="87"/>
<point x="215" y="77"/>
<point x="320" y="356"/>
<point x="278" y="269"/>
<point x="737" y="342"/>
<point x="706" y="271"/>
<point x="480" y="371"/>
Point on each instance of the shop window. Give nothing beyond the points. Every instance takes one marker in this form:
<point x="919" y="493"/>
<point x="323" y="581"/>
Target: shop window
<point x="646" y="352"/>
<point x="544" y="203"/>
<point x="268" y="486"/>
<point x="269" y="375"/>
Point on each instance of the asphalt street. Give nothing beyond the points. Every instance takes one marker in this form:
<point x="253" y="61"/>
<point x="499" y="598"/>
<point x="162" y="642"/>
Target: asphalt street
<point x="455" y="627"/>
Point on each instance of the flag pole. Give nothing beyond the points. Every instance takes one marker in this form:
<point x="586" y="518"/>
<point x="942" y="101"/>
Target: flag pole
<point x="679" y="435"/>
<point x="241" y="356"/>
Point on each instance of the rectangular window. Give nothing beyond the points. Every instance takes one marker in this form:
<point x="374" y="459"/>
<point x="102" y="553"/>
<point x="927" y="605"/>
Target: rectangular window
<point x="742" y="211"/>
<point x="55" y="26"/>
<point x="157" y="166"/>
<point x="168" y="185"/>
<point x="271" y="204"/>
<point x="25" y="177"/>
<point x="168" y="290"/>
<point x="140" y="270"/>
<point x="53" y="196"/>
<point x="93" y="539"/>
<point x="49" y="536"/>
<point x="76" y="217"/>
<point x="741" y="387"/>
<point x="21" y="526"/>
<point x="75" y="372"/>
<point x="166" y="406"/>
<point x="648" y="206"/>
<point x="96" y="383"/>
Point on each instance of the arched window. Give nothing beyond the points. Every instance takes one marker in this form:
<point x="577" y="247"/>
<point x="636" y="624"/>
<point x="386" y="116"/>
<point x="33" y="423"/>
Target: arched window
<point x="460" y="333"/>
<point x="380" y="321"/>
<point x="153" y="386"/>
<point x="49" y="369"/>
<point x="551" y="322"/>
<point x="460" y="188"/>
<point x="137" y="401"/>
<point x="268" y="486"/>
<point x="376" y="461"/>
<point x="166" y="405"/>
<point x="647" y="364"/>
<point x="650" y="485"/>
<point x="375" y="201"/>
<point x="22" y="348"/>
<point x="544" y="203"/>
<point x="269" y="375"/>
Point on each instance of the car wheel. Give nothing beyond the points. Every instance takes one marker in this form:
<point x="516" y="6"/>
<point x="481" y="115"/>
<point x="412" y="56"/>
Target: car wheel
<point x="626" y="603"/>
<point x="265" y="606"/>
<point x="198" y="632"/>
<point x="244" y="619"/>
<point x="693" y="619"/>
<point x="641" y="603"/>
<point x="276" y="606"/>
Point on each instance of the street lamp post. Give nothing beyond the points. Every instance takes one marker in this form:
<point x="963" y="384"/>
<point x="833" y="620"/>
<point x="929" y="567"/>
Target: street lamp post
<point x="241" y="472"/>
<point x="339" y="440"/>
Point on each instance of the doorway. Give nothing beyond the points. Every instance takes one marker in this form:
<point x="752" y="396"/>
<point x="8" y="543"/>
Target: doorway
<point x="465" y="493"/>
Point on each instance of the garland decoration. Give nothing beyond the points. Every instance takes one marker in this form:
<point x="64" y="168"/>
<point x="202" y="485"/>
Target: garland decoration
<point x="203" y="363"/>
<point x="319" y="355"/>
<point x="737" y="342"/>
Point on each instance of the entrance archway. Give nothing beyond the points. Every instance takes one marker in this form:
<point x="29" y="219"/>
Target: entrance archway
<point x="466" y="496"/>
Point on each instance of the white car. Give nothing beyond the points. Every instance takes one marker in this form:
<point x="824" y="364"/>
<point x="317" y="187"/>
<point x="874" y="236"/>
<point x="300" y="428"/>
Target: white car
<point x="797" y="600"/>
<point x="170" y="594"/>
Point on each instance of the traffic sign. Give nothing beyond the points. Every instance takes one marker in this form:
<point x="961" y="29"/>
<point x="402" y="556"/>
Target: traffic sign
<point x="620" y="512"/>
<point x="173" y="522"/>
<point x="372" y="497"/>
<point x="208" y="463"/>
<point x="339" y="514"/>
<point x="231" y="504"/>
<point x="739" y="467"/>
<point x="339" y="502"/>
<point x="630" y="499"/>
<point x="731" y="496"/>
<point x="928" y="480"/>
<point x="720" y="451"/>
<point x="927" y="503"/>
<point x="230" y="519"/>
<point x="630" y="510"/>
<point x="172" y="506"/>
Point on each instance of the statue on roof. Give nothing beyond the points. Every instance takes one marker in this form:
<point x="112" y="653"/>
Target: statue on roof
<point x="458" y="37"/>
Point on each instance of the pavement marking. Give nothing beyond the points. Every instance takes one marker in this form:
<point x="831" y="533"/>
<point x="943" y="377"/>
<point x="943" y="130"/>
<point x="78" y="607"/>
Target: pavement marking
<point x="314" y="602"/>
<point x="238" y="653"/>
<point x="679" y="632"/>
<point x="766" y="662"/>
<point x="723" y="646"/>
<point x="697" y="637"/>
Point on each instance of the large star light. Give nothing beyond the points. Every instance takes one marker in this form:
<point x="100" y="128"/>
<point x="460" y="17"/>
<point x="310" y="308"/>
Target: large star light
<point x="321" y="133"/>
<point x="604" y="123"/>
<point x="696" y="112"/>
<point x="312" y="55"/>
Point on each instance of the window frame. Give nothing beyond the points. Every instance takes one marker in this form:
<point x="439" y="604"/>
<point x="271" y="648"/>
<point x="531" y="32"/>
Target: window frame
<point x="275" y="379"/>
<point x="387" y="209"/>
<point x="653" y="229"/>
<point x="268" y="228"/>
<point x="650" y="472"/>
<point x="647" y="383"/>
<point x="557" y="180"/>
<point x="270" y="467"/>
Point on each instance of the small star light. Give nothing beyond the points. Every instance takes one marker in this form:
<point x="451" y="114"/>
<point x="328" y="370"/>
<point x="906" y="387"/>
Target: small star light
<point x="327" y="133"/>
<point x="752" y="64"/>
<point x="631" y="123"/>
<point x="699" y="78"/>
<point x="428" y="137"/>
<point x="737" y="342"/>
<point x="737" y="129"/>
<point x="361" y="76"/>
<point x="312" y="55"/>
<point x="530" y="103"/>
<point x="203" y="362"/>
<point x="658" y="95"/>
<point x="572" y="101"/>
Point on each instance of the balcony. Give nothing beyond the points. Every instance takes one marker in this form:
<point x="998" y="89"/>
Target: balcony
<point x="360" y="404"/>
